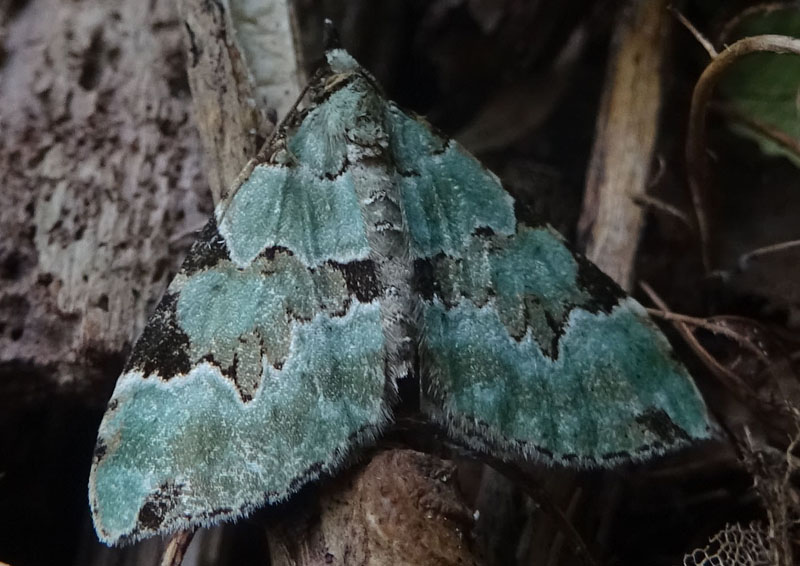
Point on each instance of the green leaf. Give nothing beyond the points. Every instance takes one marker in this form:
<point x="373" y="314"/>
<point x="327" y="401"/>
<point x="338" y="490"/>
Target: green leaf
<point x="763" y="89"/>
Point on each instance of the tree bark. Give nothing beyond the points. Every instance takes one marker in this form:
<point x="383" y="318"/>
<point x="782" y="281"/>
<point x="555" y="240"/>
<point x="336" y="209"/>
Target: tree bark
<point x="102" y="182"/>
<point x="102" y="187"/>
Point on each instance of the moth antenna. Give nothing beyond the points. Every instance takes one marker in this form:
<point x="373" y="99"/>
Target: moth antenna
<point x="330" y="36"/>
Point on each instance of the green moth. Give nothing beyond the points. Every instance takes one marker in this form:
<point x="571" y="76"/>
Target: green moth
<point x="362" y="251"/>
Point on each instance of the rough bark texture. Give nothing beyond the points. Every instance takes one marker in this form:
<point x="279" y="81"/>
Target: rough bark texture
<point x="403" y="509"/>
<point x="244" y="77"/>
<point x="101" y="181"/>
<point x="225" y="115"/>
<point x="102" y="187"/>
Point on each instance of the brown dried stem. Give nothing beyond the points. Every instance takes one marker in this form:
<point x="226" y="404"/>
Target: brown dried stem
<point x="766" y="250"/>
<point x="699" y="37"/>
<point x="712" y="326"/>
<point x="665" y="207"/>
<point x="732" y="381"/>
<point x="625" y="137"/>
<point x="176" y="548"/>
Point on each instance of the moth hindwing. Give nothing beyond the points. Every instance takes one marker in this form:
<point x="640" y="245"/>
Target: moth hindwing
<point x="365" y="249"/>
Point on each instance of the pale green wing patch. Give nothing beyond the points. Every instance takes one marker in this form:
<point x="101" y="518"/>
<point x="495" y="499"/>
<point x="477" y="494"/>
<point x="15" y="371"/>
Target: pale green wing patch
<point x="527" y="349"/>
<point x="189" y="451"/>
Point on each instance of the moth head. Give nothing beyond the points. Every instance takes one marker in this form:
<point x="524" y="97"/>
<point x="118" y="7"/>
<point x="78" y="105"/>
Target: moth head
<point x="342" y="66"/>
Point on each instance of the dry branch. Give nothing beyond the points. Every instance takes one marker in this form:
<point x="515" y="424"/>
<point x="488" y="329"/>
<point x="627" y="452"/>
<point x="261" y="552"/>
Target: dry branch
<point x="625" y="136"/>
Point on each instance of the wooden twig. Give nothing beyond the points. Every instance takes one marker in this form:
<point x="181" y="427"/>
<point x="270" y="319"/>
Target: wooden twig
<point x="176" y="548"/>
<point x="732" y="381"/>
<point x="660" y="205"/>
<point x="230" y="125"/>
<point x="766" y="250"/>
<point x="701" y="39"/>
<point x="713" y="327"/>
<point x="625" y="137"/>
<point x="735" y="384"/>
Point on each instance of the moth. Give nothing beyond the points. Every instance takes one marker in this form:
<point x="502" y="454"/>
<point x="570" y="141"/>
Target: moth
<point x="361" y="250"/>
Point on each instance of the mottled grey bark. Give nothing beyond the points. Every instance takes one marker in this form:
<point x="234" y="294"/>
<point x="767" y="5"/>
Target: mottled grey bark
<point x="102" y="187"/>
